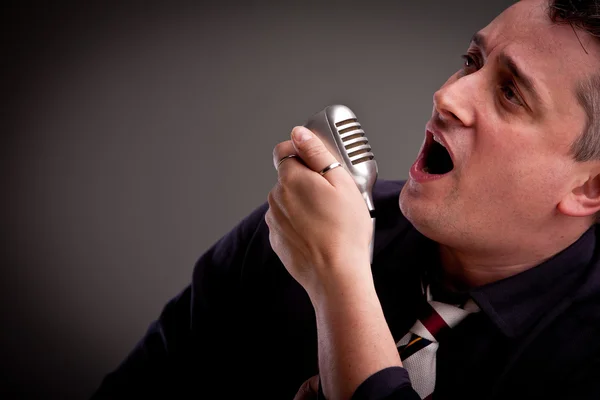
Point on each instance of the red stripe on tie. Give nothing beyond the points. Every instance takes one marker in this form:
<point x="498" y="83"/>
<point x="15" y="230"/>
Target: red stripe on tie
<point x="433" y="322"/>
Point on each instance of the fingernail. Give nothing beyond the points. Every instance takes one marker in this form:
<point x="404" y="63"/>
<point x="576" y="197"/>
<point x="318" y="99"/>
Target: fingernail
<point x="301" y="135"/>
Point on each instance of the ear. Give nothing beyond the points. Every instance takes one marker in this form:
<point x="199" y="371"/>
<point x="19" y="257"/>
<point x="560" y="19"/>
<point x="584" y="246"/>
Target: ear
<point x="583" y="200"/>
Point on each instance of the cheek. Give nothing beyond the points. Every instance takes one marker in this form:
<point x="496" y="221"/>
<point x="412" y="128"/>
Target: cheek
<point x="522" y="181"/>
<point x="515" y="170"/>
<point x="495" y="159"/>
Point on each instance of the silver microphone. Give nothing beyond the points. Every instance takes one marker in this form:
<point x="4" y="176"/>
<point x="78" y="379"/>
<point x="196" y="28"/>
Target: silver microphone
<point x="342" y="134"/>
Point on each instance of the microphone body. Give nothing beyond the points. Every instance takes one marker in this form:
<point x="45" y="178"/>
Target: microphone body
<point x="342" y="134"/>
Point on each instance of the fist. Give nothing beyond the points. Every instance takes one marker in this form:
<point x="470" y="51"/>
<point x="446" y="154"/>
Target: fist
<point x="319" y="225"/>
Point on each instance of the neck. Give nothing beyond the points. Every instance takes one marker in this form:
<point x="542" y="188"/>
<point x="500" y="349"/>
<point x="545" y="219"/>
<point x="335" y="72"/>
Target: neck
<point x="463" y="271"/>
<point x="468" y="269"/>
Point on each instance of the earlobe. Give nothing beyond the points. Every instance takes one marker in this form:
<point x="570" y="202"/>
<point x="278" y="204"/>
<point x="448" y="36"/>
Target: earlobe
<point x="583" y="200"/>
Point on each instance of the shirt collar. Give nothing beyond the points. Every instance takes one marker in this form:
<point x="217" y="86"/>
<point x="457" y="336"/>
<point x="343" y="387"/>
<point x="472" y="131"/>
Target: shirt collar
<point x="514" y="304"/>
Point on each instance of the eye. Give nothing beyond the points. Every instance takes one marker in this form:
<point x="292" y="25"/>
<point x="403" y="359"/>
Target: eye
<point x="510" y="93"/>
<point x="469" y="62"/>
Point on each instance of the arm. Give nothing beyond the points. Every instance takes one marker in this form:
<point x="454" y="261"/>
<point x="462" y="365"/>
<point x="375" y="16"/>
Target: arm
<point x="354" y="339"/>
<point x="357" y="351"/>
<point x="320" y="229"/>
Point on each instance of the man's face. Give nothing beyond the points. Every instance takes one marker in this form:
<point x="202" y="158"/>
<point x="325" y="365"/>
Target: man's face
<point x="508" y="118"/>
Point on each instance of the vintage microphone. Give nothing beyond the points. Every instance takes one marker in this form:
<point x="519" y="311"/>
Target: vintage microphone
<point x="342" y="134"/>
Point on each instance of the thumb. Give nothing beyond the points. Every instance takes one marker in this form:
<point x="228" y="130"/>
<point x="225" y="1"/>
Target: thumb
<point x="312" y="150"/>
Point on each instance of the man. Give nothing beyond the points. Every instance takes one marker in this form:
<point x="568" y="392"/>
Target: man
<point x="498" y="215"/>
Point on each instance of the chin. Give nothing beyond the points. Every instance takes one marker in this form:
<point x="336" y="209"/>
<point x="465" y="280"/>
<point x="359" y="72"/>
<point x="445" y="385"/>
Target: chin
<point x="425" y="217"/>
<point x="413" y="208"/>
<point x="443" y="223"/>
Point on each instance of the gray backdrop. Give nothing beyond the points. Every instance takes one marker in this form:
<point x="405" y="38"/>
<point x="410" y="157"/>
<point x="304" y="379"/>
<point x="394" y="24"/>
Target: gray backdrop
<point x="136" y="134"/>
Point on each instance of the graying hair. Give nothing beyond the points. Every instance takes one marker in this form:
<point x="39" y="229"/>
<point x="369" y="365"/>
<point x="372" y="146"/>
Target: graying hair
<point x="587" y="145"/>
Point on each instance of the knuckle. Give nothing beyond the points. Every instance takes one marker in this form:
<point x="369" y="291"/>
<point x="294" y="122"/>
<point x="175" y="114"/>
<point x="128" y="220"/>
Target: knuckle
<point x="314" y="150"/>
<point x="286" y="180"/>
<point x="281" y="149"/>
<point x="272" y="240"/>
<point x="277" y="149"/>
<point x="270" y="199"/>
<point x="271" y="220"/>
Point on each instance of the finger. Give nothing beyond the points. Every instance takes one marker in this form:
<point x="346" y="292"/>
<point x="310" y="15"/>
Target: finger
<point x="277" y="220"/>
<point x="307" y="391"/>
<point x="314" y="383"/>
<point x="315" y="155"/>
<point x="282" y="150"/>
<point x="287" y="167"/>
<point x="274" y="237"/>
<point x="273" y="222"/>
<point x="274" y="216"/>
<point x="281" y="198"/>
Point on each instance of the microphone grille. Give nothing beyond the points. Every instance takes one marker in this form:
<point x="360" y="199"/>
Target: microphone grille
<point x="354" y="140"/>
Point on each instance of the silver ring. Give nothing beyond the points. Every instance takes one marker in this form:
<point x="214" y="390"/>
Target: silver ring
<point x="285" y="158"/>
<point x="330" y="167"/>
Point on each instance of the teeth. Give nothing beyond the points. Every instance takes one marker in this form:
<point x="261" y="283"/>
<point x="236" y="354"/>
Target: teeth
<point x="437" y="139"/>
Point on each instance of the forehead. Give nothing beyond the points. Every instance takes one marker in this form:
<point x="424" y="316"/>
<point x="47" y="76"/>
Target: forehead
<point x="551" y="53"/>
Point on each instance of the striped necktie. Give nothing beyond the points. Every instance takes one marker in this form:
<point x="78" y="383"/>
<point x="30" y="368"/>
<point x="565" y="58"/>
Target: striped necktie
<point x="418" y="347"/>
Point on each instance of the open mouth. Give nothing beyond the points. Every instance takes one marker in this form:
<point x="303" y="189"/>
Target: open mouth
<point x="436" y="158"/>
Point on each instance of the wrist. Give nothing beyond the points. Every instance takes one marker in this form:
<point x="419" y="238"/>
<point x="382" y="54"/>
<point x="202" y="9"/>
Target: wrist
<point x="354" y="339"/>
<point x="343" y="282"/>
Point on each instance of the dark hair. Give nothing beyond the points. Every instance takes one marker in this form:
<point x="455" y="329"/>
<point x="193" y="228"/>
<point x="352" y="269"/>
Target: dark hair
<point x="583" y="15"/>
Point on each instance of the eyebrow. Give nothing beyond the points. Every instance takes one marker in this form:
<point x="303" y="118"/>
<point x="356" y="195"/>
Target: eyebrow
<point x="509" y="63"/>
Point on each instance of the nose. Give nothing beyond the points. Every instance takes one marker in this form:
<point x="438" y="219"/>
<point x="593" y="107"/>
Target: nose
<point x="455" y="101"/>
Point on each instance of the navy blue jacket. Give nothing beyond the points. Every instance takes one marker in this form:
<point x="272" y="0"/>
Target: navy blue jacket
<point x="245" y="328"/>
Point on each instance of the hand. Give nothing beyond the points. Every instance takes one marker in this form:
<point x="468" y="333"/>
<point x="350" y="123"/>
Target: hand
<point x="309" y="389"/>
<point x="319" y="226"/>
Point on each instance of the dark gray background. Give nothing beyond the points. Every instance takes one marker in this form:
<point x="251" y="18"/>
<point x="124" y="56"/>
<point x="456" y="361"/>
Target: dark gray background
<point x="135" y="134"/>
